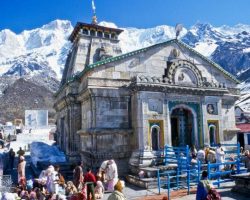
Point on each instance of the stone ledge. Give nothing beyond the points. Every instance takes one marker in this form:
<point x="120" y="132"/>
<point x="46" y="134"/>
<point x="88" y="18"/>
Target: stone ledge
<point x="104" y="131"/>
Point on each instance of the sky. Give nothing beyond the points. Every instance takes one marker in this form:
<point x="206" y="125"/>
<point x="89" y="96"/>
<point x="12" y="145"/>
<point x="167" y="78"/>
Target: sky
<point x="19" y="15"/>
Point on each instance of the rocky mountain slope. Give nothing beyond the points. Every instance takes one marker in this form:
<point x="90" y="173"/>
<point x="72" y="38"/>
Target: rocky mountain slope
<point x="23" y="95"/>
<point x="39" y="55"/>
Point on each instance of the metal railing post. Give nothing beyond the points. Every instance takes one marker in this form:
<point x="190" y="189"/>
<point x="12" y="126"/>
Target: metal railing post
<point x="159" y="181"/>
<point x="178" y="169"/>
<point x="218" y="179"/>
<point x="208" y="170"/>
<point x="188" y="181"/>
<point x="238" y="158"/>
<point x="199" y="171"/>
<point x="168" y="186"/>
<point x="187" y="156"/>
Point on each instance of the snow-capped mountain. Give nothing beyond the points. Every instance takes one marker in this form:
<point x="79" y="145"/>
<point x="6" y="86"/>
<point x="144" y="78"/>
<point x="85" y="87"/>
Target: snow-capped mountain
<point x="42" y="52"/>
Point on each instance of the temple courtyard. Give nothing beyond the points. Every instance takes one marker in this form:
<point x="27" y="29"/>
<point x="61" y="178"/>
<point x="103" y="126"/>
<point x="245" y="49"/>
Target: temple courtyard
<point x="135" y="193"/>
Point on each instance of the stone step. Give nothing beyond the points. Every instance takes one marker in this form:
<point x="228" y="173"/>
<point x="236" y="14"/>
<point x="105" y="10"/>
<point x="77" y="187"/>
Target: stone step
<point x="150" y="183"/>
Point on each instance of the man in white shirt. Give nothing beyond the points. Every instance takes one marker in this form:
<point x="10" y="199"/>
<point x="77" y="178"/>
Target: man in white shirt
<point x="220" y="156"/>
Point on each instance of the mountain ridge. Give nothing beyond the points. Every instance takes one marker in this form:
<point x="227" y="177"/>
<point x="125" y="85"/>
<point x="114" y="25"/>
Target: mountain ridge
<point x="48" y="46"/>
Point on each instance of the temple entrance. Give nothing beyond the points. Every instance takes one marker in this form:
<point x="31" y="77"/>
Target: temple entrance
<point x="182" y="130"/>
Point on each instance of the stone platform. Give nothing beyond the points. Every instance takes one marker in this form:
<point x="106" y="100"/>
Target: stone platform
<point x="242" y="183"/>
<point x="149" y="180"/>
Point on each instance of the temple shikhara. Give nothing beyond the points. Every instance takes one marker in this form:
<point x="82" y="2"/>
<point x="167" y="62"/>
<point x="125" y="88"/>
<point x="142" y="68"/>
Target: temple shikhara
<point x="112" y="105"/>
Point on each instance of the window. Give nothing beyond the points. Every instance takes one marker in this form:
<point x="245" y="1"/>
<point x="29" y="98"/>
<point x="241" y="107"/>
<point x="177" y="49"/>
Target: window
<point x="92" y="33"/>
<point x="113" y="36"/>
<point x="106" y="35"/>
<point x="85" y="32"/>
<point x="99" y="34"/>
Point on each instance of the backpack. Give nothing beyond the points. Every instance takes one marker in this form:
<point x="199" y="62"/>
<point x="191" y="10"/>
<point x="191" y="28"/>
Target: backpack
<point x="213" y="195"/>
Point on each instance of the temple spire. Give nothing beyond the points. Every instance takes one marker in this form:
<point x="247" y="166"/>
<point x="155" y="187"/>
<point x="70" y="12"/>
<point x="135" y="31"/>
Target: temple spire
<point x="94" y="18"/>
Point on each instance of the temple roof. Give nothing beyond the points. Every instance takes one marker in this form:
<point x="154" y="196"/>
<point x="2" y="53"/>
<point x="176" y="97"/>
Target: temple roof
<point x="81" y="25"/>
<point x="132" y="53"/>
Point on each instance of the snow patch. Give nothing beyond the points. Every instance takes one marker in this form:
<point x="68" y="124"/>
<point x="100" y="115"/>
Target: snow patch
<point x="107" y="24"/>
<point x="206" y="49"/>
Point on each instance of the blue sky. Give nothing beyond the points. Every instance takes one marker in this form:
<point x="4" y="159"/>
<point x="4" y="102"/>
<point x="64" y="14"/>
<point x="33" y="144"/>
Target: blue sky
<point x="19" y="15"/>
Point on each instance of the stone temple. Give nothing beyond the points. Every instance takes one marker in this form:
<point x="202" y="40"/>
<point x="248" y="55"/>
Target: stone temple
<point x="111" y="104"/>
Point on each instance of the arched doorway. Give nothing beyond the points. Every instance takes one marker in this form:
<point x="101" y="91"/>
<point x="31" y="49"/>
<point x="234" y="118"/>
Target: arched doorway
<point x="155" y="137"/>
<point x="212" y="134"/>
<point x="182" y="127"/>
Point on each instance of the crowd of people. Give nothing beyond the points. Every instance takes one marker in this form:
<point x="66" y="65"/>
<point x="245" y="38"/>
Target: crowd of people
<point x="208" y="154"/>
<point x="217" y="155"/>
<point x="88" y="186"/>
<point x="51" y="183"/>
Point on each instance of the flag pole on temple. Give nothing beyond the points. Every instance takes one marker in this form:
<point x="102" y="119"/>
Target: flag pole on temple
<point x="94" y="18"/>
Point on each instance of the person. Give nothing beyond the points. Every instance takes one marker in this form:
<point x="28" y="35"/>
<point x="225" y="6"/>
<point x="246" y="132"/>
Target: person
<point x="40" y="182"/>
<point x="210" y="155"/>
<point x="1" y="135"/>
<point x="20" y="152"/>
<point x="21" y="170"/>
<point x="78" y="175"/>
<point x="192" y="151"/>
<point x="201" y="155"/>
<point x="220" y="154"/>
<point x="203" y="187"/>
<point x="102" y="170"/>
<point x="33" y="194"/>
<point x="52" y="180"/>
<point x="39" y="194"/>
<point x="111" y="175"/>
<point x="90" y="180"/>
<point x="241" y="150"/>
<point x="246" y="160"/>
<point x="11" y="158"/>
<point x="117" y="193"/>
<point x="61" y="180"/>
<point x="99" y="190"/>
<point x="70" y="188"/>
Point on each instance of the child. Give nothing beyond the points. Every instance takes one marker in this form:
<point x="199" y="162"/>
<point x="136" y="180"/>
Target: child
<point x="99" y="190"/>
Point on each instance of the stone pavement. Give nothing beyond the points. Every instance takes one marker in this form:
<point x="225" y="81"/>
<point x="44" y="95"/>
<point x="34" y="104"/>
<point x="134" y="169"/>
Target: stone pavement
<point x="136" y="193"/>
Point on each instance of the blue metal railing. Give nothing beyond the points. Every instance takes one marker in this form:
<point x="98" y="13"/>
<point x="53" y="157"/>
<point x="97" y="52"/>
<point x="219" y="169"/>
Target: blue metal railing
<point x="213" y="168"/>
<point x="191" y="175"/>
<point x="181" y="158"/>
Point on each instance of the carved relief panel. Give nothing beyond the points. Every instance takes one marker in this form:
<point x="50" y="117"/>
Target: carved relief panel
<point x="155" y="105"/>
